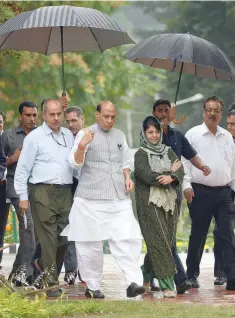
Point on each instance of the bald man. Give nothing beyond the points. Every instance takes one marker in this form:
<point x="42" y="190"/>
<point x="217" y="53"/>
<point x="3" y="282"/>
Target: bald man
<point x="102" y="209"/>
<point x="44" y="177"/>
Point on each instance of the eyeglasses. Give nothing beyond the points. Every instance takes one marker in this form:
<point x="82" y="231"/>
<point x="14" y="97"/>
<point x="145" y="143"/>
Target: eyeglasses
<point x="65" y="145"/>
<point x="209" y="111"/>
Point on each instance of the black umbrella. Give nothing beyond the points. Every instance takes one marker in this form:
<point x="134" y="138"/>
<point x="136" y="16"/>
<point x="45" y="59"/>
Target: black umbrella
<point x="183" y="53"/>
<point x="54" y="29"/>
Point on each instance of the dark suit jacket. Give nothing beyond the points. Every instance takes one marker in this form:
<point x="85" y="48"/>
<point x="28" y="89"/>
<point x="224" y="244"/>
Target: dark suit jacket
<point x="2" y="160"/>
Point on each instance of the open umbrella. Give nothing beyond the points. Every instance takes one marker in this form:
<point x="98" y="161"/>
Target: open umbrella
<point x="183" y="53"/>
<point x="64" y="28"/>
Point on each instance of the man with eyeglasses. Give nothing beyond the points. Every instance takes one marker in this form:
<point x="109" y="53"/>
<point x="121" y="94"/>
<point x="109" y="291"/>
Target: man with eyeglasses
<point x="12" y="141"/>
<point x="75" y="121"/>
<point x="43" y="177"/>
<point x="211" y="196"/>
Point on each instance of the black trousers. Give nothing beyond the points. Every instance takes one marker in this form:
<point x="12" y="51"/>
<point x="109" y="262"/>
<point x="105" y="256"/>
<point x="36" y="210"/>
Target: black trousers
<point x="218" y="254"/>
<point x="4" y="208"/>
<point x="209" y="202"/>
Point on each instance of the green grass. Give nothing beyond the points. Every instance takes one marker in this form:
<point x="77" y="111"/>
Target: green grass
<point x="158" y="309"/>
<point x="14" y="306"/>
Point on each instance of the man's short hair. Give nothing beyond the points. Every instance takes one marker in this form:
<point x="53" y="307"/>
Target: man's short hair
<point x="161" y="102"/>
<point x="43" y="104"/>
<point x="214" y="99"/>
<point x="3" y="114"/>
<point x="231" y="113"/>
<point x="231" y="107"/>
<point x="26" y="104"/>
<point x="74" y="109"/>
<point x="99" y="106"/>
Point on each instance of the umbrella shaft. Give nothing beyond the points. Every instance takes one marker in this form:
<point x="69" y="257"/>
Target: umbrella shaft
<point x="62" y="58"/>
<point x="178" y="85"/>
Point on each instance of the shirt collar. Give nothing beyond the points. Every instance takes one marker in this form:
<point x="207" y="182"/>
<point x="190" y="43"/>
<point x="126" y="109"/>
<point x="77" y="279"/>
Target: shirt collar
<point x="49" y="131"/>
<point x="205" y="130"/>
<point x="19" y="129"/>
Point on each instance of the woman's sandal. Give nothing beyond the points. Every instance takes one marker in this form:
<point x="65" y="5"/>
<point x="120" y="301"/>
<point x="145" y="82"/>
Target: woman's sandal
<point x="169" y="293"/>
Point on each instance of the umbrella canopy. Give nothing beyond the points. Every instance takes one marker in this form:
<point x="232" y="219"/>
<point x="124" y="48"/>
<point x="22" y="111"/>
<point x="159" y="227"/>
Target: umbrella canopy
<point x="183" y="53"/>
<point x="54" y="29"/>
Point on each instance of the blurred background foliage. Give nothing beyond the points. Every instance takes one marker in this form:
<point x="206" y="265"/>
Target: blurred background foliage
<point x="90" y="77"/>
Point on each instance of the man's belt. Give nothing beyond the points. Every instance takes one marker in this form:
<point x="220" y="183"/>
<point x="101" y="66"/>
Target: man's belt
<point x="53" y="185"/>
<point x="210" y="187"/>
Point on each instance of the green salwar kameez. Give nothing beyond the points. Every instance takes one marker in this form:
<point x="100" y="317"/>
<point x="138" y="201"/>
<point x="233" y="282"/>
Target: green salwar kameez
<point x="158" y="226"/>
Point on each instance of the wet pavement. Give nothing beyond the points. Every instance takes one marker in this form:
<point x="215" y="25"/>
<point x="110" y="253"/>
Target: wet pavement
<point x="113" y="284"/>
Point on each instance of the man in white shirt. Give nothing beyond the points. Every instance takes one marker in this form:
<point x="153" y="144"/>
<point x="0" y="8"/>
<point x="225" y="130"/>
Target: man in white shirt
<point x="102" y="209"/>
<point x="211" y="196"/>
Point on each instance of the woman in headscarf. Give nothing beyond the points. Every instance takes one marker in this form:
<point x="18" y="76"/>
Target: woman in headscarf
<point x="158" y="175"/>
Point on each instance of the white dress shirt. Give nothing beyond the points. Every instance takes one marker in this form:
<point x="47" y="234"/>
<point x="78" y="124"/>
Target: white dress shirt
<point x="44" y="159"/>
<point x="217" y="151"/>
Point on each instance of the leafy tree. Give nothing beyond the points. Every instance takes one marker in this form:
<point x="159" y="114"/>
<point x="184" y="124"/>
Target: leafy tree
<point x="90" y="77"/>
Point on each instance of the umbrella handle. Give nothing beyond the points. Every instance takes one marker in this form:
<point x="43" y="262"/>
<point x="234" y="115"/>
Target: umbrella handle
<point x="177" y="122"/>
<point x="173" y="114"/>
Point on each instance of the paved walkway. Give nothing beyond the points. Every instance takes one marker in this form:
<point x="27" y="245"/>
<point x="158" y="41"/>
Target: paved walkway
<point x="113" y="285"/>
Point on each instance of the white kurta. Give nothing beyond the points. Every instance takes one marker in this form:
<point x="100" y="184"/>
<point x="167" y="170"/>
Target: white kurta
<point x="92" y="221"/>
<point x="98" y="220"/>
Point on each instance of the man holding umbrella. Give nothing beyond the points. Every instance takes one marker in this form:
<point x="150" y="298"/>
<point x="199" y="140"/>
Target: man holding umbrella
<point x="175" y="139"/>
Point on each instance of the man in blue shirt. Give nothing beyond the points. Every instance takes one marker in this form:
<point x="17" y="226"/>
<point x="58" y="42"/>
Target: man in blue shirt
<point x="176" y="140"/>
<point x="45" y="178"/>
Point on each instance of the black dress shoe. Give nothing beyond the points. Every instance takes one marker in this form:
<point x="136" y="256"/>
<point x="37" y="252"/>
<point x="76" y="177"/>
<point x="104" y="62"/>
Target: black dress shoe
<point x="54" y="293"/>
<point x="154" y="287"/>
<point x="194" y="282"/>
<point x="94" y="294"/>
<point x="220" y="281"/>
<point x="230" y="284"/>
<point x="70" y="278"/>
<point x="183" y="287"/>
<point x="134" y="290"/>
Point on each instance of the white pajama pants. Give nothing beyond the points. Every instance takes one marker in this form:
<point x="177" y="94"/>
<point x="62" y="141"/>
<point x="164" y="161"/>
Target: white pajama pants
<point x="125" y="252"/>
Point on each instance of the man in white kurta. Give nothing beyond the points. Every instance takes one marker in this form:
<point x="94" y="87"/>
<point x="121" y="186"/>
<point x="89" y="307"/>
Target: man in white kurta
<point x="102" y="209"/>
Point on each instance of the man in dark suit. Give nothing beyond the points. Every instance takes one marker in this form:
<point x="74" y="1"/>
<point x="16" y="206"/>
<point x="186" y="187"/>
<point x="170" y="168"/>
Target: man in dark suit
<point x="3" y="212"/>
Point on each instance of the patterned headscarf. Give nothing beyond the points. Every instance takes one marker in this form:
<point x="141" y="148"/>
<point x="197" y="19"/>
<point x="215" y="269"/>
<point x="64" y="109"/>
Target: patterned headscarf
<point x="159" y="161"/>
<point x="158" y="148"/>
